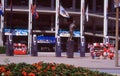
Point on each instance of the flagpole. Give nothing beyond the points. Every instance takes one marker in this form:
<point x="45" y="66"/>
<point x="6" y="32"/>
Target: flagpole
<point x="30" y="27"/>
<point x="57" y="19"/>
<point x="2" y="23"/>
<point x="2" y="17"/>
<point x="82" y="18"/>
<point x="117" y="32"/>
<point x="105" y="21"/>
<point x="57" y="45"/>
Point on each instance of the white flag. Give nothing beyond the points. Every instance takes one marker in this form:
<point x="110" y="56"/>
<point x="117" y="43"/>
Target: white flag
<point x="86" y="13"/>
<point x="63" y="12"/>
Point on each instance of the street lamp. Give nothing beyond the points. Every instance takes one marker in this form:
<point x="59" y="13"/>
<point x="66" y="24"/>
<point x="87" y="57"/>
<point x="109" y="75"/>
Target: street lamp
<point x="117" y="30"/>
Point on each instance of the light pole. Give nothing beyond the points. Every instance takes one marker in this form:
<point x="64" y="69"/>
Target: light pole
<point x="117" y="34"/>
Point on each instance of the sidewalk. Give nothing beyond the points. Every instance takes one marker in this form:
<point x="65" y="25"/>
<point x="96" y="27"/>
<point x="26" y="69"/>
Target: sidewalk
<point x="88" y="62"/>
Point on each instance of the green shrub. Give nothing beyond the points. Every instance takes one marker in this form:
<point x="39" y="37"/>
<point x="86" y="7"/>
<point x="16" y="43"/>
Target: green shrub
<point x="46" y="69"/>
<point x="2" y="50"/>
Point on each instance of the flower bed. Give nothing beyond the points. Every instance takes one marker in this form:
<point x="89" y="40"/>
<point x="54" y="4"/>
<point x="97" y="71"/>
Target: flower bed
<point x="46" y="69"/>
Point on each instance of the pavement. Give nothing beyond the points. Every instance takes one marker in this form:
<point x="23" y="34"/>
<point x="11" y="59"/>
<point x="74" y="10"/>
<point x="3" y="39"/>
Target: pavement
<point x="103" y="65"/>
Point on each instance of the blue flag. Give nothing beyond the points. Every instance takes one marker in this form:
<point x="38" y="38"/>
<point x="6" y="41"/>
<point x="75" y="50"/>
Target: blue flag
<point x="1" y="9"/>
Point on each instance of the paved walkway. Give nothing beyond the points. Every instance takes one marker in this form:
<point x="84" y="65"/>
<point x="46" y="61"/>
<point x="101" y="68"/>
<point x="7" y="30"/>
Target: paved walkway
<point x="88" y="62"/>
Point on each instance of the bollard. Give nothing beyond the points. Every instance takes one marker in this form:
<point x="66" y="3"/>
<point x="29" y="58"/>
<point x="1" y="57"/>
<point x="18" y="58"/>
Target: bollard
<point x="34" y="51"/>
<point x="82" y="47"/>
<point x="9" y="46"/>
<point x="82" y="50"/>
<point x="58" y="47"/>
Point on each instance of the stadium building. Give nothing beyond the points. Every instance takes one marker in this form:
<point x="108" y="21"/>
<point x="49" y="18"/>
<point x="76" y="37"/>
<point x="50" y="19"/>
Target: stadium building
<point x="95" y="24"/>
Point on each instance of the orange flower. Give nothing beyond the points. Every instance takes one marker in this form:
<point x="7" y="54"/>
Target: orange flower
<point x="24" y="73"/>
<point x="2" y="69"/>
<point x="53" y="68"/>
<point x="31" y="74"/>
<point x="39" y="67"/>
<point x="48" y="67"/>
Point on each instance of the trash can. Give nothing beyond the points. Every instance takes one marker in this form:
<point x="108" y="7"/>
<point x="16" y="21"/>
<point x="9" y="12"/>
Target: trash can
<point x="70" y="49"/>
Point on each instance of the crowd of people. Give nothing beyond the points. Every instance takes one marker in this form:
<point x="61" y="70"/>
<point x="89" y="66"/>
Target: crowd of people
<point x="101" y="50"/>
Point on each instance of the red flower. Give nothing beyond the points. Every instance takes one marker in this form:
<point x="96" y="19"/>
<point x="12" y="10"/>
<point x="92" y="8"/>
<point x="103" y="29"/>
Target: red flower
<point x="39" y="67"/>
<point x="53" y="68"/>
<point x="31" y="74"/>
<point x="2" y="69"/>
<point x="24" y="73"/>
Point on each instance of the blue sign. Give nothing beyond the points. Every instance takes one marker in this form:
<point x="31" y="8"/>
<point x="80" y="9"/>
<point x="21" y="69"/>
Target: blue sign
<point x="46" y="39"/>
<point x="65" y="33"/>
<point x="16" y="32"/>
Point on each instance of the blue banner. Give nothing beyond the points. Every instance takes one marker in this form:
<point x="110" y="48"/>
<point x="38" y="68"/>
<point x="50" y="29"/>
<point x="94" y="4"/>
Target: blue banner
<point x="16" y="32"/>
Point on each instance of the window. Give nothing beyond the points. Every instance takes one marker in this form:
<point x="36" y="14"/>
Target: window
<point x="19" y="20"/>
<point x="18" y="2"/>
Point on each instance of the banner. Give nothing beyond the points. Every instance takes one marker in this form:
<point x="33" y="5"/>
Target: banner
<point x="1" y="9"/>
<point x="63" y="12"/>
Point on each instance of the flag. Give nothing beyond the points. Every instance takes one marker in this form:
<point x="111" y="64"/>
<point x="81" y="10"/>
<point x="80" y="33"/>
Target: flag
<point x="63" y="12"/>
<point x="34" y="12"/>
<point x="86" y="13"/>
<point x="115" y="3"/>
<point x="1" y="10"/>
